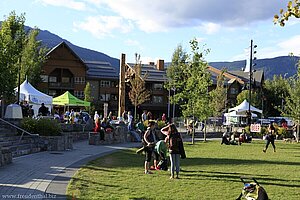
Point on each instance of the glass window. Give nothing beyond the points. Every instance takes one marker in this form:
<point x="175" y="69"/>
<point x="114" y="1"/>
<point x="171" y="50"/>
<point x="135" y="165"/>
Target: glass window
<point x="104" y="83"/>
<point x="233" y="91"/>
<point x="157" y="99"/>
<point x="44" y="78"/>
<point x="80" y="80"/>
<point x="52" y="92"/>
<point x="157" y="86"/>
<point x="52" y="79"/>
<point x="65" y="79"/>
<point x="79" y="94"/>
<point x="104" y="97"/>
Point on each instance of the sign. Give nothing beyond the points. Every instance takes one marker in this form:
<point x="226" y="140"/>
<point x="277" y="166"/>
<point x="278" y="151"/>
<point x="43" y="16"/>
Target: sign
<point x="255" y="128"/>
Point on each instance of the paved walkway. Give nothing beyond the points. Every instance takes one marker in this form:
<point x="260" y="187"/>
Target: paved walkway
<point x="45" y="175"/>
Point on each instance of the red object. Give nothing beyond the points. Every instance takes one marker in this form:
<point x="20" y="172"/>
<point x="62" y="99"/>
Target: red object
<point x="97" y="127"/>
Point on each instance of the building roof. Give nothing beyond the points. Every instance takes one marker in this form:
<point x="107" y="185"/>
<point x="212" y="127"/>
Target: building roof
<point x="258" y="76"/>
<point x="103" y="70"/>
<point x="153" y="74"/>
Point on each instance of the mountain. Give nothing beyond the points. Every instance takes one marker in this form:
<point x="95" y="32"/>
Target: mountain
<point x="284" y="65"/>
<point x="50" y="40"/>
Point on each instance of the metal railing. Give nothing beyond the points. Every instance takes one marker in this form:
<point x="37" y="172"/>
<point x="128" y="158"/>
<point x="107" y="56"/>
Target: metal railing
<point x="20" y="129"/>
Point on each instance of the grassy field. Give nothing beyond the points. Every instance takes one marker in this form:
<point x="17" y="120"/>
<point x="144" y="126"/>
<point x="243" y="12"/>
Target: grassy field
<point x="210" y="171"/>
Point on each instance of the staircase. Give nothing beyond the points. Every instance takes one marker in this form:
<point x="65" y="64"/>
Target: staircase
<point x="17" y="140"/>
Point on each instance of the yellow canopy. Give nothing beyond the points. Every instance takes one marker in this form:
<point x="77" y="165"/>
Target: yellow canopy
<point x="67" y="99"/>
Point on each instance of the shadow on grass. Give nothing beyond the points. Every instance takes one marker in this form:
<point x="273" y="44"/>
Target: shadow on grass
<point x="229" y="161"/>
<point x="235" y="177"/>
<point x="86" y="183"/>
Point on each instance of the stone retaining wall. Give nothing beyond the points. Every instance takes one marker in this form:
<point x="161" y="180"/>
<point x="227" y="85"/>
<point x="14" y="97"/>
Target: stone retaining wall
<point x="56" y="143"/>
<point x="5" y="156"/>
<point x="118" y="135"/>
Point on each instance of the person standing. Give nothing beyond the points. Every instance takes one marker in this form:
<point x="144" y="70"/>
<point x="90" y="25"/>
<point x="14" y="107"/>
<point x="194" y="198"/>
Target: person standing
<point x="43" y="110"/>
<point x="149" y="144"/>
<point x="96" y="117"/>
<point x="130" y="121"/>
<point x="174" y="141"/>
<point x="270" y="138"/>
<point x="144" y="116"/>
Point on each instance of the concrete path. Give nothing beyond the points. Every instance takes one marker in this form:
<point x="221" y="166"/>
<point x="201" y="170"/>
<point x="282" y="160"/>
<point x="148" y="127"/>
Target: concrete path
<point x="45" y="175"/>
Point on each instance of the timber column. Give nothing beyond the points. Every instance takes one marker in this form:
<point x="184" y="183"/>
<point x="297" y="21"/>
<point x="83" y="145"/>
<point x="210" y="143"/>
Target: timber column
<point x="122" y="86"/>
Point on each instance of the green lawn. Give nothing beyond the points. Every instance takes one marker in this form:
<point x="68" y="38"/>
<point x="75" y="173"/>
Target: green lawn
<point x="211" y="171"/>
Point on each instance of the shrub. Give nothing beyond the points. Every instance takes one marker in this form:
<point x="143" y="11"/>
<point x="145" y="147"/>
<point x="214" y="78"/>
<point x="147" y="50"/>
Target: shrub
<point x="161" y="124"/>
<point x="263" y="131"/>
<point x="43" y="126"/>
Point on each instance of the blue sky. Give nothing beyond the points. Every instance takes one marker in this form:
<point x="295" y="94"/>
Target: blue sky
<point x="155" y="28"/>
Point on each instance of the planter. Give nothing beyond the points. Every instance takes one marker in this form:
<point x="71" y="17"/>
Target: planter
<point x="57" y="143"/>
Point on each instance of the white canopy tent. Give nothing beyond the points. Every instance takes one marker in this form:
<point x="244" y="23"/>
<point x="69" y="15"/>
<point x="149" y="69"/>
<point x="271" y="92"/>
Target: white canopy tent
<point x="237" y="115"/>
<point x="34" y="97"/>
<point x="243" y="107"/>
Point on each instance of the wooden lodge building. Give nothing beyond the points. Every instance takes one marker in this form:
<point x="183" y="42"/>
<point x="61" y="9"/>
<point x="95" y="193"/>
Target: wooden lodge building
<point x="64" y="71"/>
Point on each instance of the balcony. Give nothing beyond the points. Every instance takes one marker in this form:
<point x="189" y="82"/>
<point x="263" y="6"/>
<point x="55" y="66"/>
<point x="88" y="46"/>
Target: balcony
<point x="59" y="85"/>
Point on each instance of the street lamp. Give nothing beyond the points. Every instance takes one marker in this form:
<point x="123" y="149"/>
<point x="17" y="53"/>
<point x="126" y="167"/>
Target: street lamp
<point x="252" y="47"/>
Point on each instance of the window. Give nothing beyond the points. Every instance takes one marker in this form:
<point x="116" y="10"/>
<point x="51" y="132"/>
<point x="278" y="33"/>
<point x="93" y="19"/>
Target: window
<point x="104" y="97"/>
<point x="52" y="92"/>
<point x="65" y="79"/>
<point x="157" y="99"/>
<point x="234" y="91"/>
<point x="157" y="86"/>
<point x="52" y="79"/>
<point x="104" y="83"/>
<point x="79" y="80"/>
<point x="79" y="94"/>
<point x="44" y="78"/>
<point x="114" y="97"/>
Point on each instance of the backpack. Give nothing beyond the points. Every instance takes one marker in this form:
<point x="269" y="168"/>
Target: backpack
<point x="174" y="143"/>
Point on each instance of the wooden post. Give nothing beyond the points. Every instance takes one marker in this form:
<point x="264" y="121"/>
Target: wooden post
<point x="122" y="86"/>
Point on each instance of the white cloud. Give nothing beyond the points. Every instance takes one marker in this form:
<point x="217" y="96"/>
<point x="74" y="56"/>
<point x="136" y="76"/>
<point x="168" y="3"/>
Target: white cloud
<point x="157" y="15"/>
<point x="72" y="4"/>
<point x="281" y="48"/>
<point x="101" y="26"/>
<point x="210" y="28"/>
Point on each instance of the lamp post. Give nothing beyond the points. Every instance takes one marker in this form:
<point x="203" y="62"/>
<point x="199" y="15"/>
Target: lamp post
<point x="250" y="78"/>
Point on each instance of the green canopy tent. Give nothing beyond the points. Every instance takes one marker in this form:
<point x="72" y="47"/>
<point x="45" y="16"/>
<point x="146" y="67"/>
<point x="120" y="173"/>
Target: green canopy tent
<point x="67" y="99"/>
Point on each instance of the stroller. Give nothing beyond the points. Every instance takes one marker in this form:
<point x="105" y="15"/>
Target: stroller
<point x="252" y="190"/>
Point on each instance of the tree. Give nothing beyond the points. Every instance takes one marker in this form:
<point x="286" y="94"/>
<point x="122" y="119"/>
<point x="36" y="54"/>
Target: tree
<point x="292" y="101"/>
<point x="255" y="100"/>
<point x="275" y="91"/>
<point x="176" y="75"/>
<point x="87" y="93"/>
<point x="138" y="93"/>
<point x="20" y="53"/>
<point x="12" y="37"/>
<point x="191" y="83"/>
<point x="218" y="96"/>
<point x="33" y="56"/>
<point x="292" y="11"/>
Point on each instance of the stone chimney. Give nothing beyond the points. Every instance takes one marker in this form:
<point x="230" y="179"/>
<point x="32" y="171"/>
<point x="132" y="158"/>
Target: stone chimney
<point x="160" y="65"/>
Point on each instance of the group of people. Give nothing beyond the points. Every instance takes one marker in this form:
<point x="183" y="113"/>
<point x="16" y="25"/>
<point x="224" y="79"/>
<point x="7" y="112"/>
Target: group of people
<point x="158" y="149"/>
<point x="27" y="110"/>
<point x="244" y="137"/>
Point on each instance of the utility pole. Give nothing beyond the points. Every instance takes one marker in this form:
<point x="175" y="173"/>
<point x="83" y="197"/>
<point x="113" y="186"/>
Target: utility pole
<point x="252" y="47"/>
